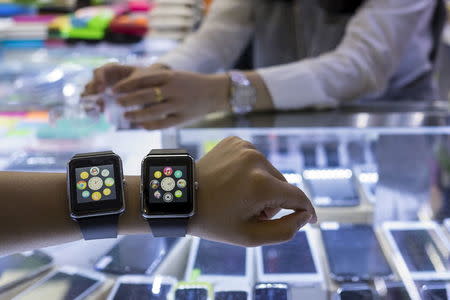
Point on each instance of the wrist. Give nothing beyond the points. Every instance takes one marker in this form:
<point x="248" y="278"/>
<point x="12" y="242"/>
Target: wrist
<point x="220" y="92"/>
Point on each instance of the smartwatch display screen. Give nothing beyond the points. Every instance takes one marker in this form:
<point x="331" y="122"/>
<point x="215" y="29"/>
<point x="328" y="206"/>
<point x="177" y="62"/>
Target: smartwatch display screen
<point x="167" y="185"/>
<point x="95" y="185"/>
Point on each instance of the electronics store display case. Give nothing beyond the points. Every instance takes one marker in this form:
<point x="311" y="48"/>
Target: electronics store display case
<point x="378" y="175"/>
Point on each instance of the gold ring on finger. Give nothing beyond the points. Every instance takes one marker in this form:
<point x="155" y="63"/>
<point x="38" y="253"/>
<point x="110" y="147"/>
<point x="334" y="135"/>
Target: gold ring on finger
<point x="158" y="94"/>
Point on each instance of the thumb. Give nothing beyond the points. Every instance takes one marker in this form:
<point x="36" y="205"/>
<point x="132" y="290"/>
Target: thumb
<point x="278" y="230"/>
<point x="110" y="74"/>
<point x="141" y="80"/>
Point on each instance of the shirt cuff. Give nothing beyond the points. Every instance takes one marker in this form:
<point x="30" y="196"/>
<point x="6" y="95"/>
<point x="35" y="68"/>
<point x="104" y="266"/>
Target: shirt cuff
<point x="294" y="86"/>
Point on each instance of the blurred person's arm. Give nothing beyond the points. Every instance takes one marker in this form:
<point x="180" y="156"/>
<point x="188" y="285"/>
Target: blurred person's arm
<point x="239" y="192"/>
<point x="218" y="43"/>
<point x="376" y="39"/>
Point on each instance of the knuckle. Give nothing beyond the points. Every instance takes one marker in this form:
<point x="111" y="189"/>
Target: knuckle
<point x="251" y="155"/>
<point x="258" y="179"/>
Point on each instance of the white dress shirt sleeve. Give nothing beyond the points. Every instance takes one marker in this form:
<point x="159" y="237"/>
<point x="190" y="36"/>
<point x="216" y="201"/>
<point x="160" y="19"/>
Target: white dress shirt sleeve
<point x="220" y="39"/>
<point x="369" y="54"/>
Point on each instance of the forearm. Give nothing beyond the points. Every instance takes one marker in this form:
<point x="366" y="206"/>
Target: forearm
<point x="35" y="211"/>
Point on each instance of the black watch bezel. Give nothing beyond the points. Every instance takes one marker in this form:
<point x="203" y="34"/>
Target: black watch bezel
<point x="100" y="208"/>
<point x="167" y="210"/>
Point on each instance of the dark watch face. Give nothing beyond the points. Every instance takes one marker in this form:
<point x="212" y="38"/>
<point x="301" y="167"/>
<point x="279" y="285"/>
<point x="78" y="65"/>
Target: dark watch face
<point x="167" y="185"/>
<point x="96" y="185"/>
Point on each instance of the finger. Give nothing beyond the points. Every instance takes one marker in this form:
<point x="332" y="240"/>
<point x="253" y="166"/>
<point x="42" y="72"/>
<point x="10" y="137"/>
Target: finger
<point x="278" y="230"/>
<point x="151" y="113"/>
<point x="268" y="213"/>
<point x="167" y="122"/>
<point x="140" y="97"/>
<point x="112" y="73"/>
<point x="133" y="83"/>
<point x="277" y="193"/>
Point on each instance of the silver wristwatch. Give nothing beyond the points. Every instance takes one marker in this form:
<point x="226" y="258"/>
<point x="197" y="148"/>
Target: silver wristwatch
<point x="242" y="94"/>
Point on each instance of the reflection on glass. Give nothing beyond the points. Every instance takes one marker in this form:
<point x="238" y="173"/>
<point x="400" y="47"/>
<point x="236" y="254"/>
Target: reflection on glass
<point x="353" y="252"/>
<point x="61" y="286"/>
<point x="420" y="251"/>
<point x="220" y="259"/>
<point x="292" y="257"/>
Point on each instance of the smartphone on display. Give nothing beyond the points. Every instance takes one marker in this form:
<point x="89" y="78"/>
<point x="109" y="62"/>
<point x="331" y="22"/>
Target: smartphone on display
<point x="135" y="254"/>
<point x="353" y="253"/>
<point x="331" y="187"/>
<point x="271" y="291"/>
<point x="231" y="295"/>
<point x="309" y="154"/>
<point x="213" y="259"/>
<point x="67" y="283"/>
<point x="434" y="292"/>
<point x="19" y="267"/>
<point x="332" y="155"/>
<point x="139" y="287"/>
<point x="419" y="249"/>
<point x="293" y="257"/>
<point x="355" y="293"/>
<point x="194" y="291"/>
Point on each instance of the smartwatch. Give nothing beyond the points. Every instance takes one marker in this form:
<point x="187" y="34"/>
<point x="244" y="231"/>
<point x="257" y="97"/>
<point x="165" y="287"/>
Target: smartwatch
<point x="168" y="191"/>
<point x="95" y="186"/>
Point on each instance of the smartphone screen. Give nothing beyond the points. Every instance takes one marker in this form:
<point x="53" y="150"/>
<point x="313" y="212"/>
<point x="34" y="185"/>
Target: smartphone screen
<point x="332" y="154"/>
<point x="333" y="191"/>
<point x="131" y="291"/>
<point x="220" y="259"/>
<point x="271" y="293"/>
<point x="396" y="293"/>
<point x="309" y="156"/>
<point x="435" y="292"/>
<point x="16" y="267"/>
<point x="419" y="250"/>
<point x="357" y="295"/>
<point x="135" y="254"/>
<point x="191" y="294"/>
<point x="292" y="257"/>
<point x="60" y="286"/>
<point x="353" y="252"/>
<point x="231" y="295"/>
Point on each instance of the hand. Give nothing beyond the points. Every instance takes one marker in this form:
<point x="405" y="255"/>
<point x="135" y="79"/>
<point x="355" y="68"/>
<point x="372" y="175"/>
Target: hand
<point x="109" y="74"/>
<point x="184" y="96"/>
<point x="240" y="192"/>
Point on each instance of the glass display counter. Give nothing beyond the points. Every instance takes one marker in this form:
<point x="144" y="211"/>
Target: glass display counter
<point x="378" y="176"/>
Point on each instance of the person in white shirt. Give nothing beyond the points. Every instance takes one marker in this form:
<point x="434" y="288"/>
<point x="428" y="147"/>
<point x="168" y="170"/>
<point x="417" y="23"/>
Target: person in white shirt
<point x="306" y="53"/>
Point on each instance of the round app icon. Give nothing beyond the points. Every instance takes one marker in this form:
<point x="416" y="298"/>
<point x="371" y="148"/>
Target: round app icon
<point x="157" y="195"/>
<point x="168" y="171"/>
<point x="96" y="196"/>
<point x="95" y="183"/>
<point x="106" y="192"/>
<point x="168" y="184"/>
<point x="109" y="181"/>
<point x="85" y="194"/>
<point x="84" y="175"/>
<point x="154" y="184"/>
<point x="178" y="193"/>
<point x="181" y="183"/>
<point x="81" y="185"/>
<point x="105" y="172"/>
<point x="168" y="197"/>
<point x="94" y="171"/>
<point x="157" y="174"/>
<point x="178" y="174"/>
